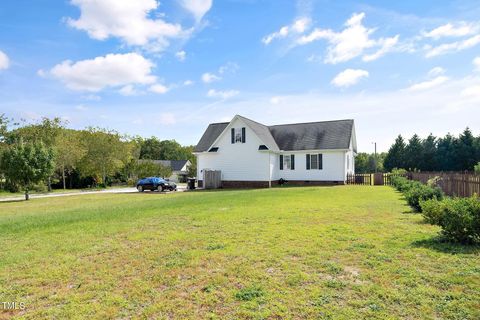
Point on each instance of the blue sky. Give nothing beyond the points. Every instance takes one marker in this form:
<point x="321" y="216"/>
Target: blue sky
<point x="169" y="68"/>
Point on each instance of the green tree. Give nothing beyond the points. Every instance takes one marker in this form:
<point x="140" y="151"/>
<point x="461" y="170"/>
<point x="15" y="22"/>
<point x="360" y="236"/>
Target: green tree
<point x="429" y="161"/>
<point x="446" y="153"/>
<point x="106" y="153"/>
<point x="414" y="153"/>
<point x="395" y="157"/>
<point x="476" y="168"/>
<point x="465" y="153"/>
<point x="45" y="131"/>
<point x="148" y="168"/>
<point x="361" y="162"/>
<point x="151" y="149"/>
<point x="70" y="151"/>
<point x="28" y="163"/>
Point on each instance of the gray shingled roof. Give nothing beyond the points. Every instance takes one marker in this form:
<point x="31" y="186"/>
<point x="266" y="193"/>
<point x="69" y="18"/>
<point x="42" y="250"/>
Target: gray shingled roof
<point x="210" y="135"/>
<point x="313" y="135"/>
<point x="263" y="132"/>
<point x="290" y="137"/>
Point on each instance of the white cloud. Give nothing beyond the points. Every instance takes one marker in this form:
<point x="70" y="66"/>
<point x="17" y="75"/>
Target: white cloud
<point x="212" y="93"/>
<point x="128" y="90"/>
<point x="112" y="70"/>
<point x="351" y="42"/>
<point x="349" y="77"/>
<point x="436" y="71"/>
<point x="476" y="63"/>
<point x="449" y="30"/>
<point x="473" y="91"/>
<point x="188" y="82"/>
<point x="429" y="84"/>
<point x="297" y="27"/>
<point x="387" y="44"/>
<point x="158" y="88"/>
<point x="210" y="77"/>
<point x="433" y="51"/>
<point x="229" y="67"/>
<point x="197" y="7"/>
<point x="4" y="61"/>
<point x="277" y="99"/>
<point x="127" y="20"/>
<point x="181" y="55"/>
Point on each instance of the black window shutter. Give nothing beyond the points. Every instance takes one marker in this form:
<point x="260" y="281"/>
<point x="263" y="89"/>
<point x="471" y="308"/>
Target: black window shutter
<point x="308" y="162"/>
<point x="233" y="135"/>
<point x="320" y="161"/>
<point x="243" y="135"/>
<point x="292" y="159"/>
<point x="281" y="162"/>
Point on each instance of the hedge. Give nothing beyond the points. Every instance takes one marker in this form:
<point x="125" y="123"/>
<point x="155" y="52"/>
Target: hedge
<point x="416" y="192"/>
<point x="459" y="218"/>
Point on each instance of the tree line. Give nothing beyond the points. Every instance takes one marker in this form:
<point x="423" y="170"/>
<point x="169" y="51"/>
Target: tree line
<point x="447" y="153"/>
<point x="47" y="154"/>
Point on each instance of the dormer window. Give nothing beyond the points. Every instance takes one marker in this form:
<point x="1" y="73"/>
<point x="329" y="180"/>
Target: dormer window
<point x="238" y="135"/>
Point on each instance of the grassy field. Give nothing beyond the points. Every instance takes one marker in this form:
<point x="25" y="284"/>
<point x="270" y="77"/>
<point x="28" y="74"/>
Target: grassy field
<point x="349" y="252"/>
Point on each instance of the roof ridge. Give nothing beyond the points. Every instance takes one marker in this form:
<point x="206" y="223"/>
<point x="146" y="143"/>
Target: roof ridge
<point x="219" y="123"/>
<point x="312" y="122"/>
<point x="252" y="120"/>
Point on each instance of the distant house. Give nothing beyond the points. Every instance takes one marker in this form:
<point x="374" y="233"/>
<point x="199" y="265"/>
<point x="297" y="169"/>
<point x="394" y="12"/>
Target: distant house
<point x="250" y="154"/>
<point x="179" y="168"/>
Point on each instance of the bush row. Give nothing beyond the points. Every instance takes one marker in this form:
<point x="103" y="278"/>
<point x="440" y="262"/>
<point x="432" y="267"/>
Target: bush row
<point x="416" y="192"/>
<point x="459" y="218"/>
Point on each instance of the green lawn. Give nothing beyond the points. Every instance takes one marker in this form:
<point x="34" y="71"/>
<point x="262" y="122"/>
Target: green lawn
<point x="347" y="252"/>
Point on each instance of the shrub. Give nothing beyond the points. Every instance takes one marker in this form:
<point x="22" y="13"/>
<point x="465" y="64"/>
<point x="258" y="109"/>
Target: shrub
<point x="420" y="192"/>
<point x="432" y="211"/>
<point x="399" y="171"/>
<point x="401" y="183"/>
<point x="459" y="218"/>
<point x="476" y="168"/>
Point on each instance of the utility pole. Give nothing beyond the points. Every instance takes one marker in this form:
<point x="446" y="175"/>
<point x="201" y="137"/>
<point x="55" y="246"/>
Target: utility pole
<point x="375" y="157"/>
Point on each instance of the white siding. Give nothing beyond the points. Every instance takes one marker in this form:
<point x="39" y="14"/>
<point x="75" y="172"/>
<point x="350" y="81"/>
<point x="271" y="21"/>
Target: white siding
<point x="333" y="167"/>
<point x="238" y="161"/>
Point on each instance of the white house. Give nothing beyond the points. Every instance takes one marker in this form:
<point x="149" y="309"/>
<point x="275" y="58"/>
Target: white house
<point x="250" y="154"/>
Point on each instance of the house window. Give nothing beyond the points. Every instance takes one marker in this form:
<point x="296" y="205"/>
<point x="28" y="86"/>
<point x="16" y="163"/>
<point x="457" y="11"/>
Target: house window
<point x="238" y="135"/>
<point x="314" y="161"/>
<point x="287" y="162"/>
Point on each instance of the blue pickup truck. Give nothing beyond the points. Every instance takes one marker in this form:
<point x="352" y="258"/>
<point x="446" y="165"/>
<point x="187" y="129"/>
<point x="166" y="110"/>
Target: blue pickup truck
<point x="155" y="184"/>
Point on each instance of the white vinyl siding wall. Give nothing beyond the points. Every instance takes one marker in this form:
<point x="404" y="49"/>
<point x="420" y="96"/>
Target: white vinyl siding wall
<point x="237" y="161"/>
<point x="333" y="167"/>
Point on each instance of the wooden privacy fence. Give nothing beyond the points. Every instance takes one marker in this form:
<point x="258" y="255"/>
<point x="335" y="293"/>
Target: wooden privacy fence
<point x="369" y="179"/>
<point x="455" y="184"/>
<point x="360" y="178"/>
